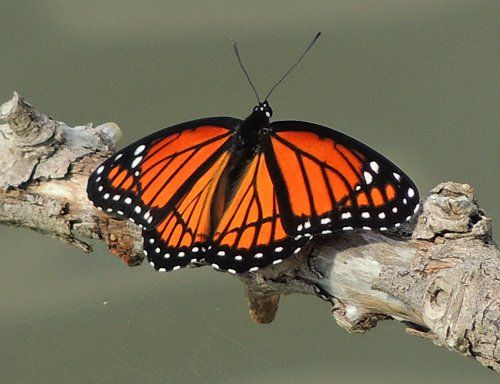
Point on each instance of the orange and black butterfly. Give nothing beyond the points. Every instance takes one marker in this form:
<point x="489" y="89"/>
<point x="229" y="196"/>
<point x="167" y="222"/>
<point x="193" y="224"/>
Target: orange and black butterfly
<point x="244" y="194"/>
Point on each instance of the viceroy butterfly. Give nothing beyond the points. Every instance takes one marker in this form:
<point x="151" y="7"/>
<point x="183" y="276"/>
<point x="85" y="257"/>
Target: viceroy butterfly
<point x="244" y="194"/>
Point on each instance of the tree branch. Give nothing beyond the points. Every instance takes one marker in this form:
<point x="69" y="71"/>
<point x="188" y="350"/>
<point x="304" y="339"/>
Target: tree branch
<point x="440" y="274"/>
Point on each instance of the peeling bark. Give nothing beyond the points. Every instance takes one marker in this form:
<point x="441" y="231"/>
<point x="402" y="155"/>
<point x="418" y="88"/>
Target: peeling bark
<point x="440" y="275"/>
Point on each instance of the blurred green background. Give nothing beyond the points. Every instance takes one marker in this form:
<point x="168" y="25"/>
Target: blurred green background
<point x="416" y="80"/>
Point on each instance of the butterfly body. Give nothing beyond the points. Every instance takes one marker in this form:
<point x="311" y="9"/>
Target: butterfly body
<point x="244" y="194"/>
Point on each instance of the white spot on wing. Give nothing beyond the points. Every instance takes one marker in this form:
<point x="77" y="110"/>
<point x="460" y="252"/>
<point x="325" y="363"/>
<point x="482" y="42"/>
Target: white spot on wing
<point x="136" y="162"/>
<point x="325" y="220"/>
<point x="381" y="215"/>
<point x="368" y="177"/>
<point x="277" y="261"/>
<point x="411" y="192"/>
<point x="417" y="207"/>
<point x="100" y="169"/>
<point x="128" y="200"/>
<point x="139" y="149"/>
<point x="397" y="176"/>
<point x="365" y="215"/>
<point x="278" y="249"/>
<point x="258" y="255"/>
<point x="374" y="166"/>
<point x="346" y="215"/>
<point x="253" y="269"/>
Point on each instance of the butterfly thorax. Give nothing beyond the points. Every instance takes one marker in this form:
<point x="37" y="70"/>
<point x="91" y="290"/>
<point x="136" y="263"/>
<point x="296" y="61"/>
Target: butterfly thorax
<point x="256" y="124"/>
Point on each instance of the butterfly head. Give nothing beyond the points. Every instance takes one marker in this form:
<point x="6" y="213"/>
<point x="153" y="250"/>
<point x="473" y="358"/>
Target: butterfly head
<point x="263" y="110"/>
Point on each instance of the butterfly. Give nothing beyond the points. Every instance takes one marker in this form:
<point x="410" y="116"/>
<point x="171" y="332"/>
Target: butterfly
<point x="244" y="194"/>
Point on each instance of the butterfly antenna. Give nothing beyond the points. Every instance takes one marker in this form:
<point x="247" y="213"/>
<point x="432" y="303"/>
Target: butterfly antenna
<point x="294" y="65"/>
<point x="235" y="46"/>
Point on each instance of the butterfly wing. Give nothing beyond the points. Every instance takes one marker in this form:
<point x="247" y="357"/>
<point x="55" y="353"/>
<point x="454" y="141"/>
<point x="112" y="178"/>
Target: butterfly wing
<point x="165" y="183"/>
<point x="250" y="234"/>
<point x="328" y="181"/>
<point x="182" y="234"/>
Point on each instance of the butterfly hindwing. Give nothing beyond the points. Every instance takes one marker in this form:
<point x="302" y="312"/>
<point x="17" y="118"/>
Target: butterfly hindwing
<point x="250" y="234"/>
<point x="182" y="235"/>
<point x="328" y="181"/>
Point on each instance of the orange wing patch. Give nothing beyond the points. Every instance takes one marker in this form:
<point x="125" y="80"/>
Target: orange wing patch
<point x="325" y="173"/>
<point x="192" y="213"/>
<point x="181" y="236"/>
<point x="252" y="218"/>
<point x="170" y="162"/>
<point x="120" y="178"/>
<point x="377" y="197"/>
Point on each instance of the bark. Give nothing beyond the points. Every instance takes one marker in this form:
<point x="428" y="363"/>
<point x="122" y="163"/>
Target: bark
<point x="440" y="274"/>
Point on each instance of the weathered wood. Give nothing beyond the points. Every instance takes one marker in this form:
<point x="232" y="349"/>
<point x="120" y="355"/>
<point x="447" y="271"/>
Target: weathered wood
<point x="440" y="274"/>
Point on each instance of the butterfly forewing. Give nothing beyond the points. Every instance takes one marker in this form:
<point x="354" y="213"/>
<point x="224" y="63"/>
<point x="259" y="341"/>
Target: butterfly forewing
<point x="328" y="181"/>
